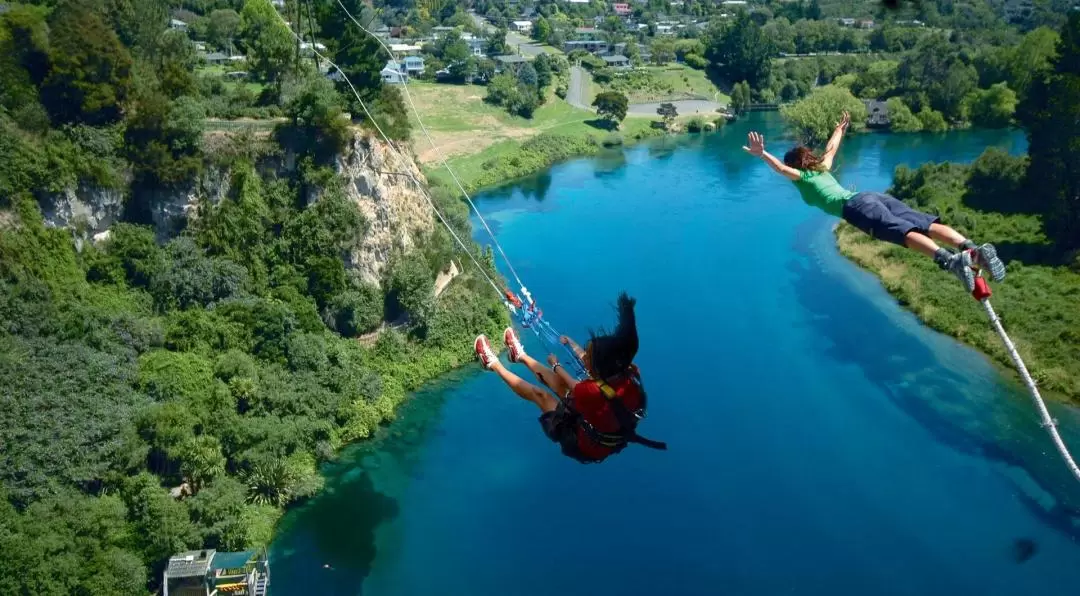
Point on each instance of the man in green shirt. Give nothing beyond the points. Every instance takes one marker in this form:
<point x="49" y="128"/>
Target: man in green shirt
<point x="879" y="215"/>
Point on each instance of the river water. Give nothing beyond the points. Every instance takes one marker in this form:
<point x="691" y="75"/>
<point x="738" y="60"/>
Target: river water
<point x="821" y="440"/>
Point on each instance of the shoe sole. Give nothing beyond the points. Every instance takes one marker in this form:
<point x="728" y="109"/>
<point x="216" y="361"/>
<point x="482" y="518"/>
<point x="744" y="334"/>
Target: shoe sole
<point x="965" y="274"/>
<point x="477" y="351"/>
<point x="988" y="258"/>
<point x="510" y="347"/>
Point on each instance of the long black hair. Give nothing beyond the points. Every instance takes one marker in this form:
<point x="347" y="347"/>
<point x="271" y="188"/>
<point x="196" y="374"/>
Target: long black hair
<point x="612" y="353"/>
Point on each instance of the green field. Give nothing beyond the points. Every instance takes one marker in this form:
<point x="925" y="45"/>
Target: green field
<point x="218" y="71"/>
<point x="662" y="83"/>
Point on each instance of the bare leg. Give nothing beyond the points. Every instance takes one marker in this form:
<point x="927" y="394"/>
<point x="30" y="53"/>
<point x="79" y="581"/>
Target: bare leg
<point x="527" y="391"/>
<point x="923" y="244"/>
<point x="545" y="374"/>
<point x="943" y="233"/>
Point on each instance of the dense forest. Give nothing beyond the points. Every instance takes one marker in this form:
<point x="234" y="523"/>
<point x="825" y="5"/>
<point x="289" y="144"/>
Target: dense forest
<point x="221" y="363"/>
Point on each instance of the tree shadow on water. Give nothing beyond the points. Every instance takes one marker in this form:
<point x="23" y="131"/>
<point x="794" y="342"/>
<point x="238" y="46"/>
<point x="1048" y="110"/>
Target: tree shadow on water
<point x="853" y="331"/>
<point x="333" y="537"/>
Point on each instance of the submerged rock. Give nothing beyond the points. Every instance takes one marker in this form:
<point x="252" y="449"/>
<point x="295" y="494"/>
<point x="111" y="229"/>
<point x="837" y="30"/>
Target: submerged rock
<point x="1024" y="549"/>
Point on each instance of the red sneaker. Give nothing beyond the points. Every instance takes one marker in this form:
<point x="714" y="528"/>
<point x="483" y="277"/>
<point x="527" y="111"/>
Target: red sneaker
<point x="484" y="353"/>
<point x="513" y="345"/>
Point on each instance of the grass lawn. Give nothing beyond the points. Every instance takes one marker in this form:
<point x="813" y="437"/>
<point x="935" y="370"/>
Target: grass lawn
<point x="218" y="71"/>
<point x="662" y="83"/>
<point x="460" y="123"/>
<point x="1036" y="302"/>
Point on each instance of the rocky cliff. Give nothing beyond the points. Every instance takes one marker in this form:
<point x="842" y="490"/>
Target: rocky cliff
<point x="384" y="186"/>
<point x="382" y="183"/>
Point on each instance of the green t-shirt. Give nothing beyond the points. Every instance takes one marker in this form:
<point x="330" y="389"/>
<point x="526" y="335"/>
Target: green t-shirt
<point x="821" y="190"/>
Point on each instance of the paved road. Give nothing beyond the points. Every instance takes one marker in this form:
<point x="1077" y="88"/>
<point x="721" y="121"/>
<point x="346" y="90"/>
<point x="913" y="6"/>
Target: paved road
<point x="481" y="22"/>
<point x="575" y="94"/>
<point x="523" y="45"/>
<point x="684" y="107"/>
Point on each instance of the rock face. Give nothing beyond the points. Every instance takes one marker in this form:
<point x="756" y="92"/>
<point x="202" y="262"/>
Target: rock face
<point x="91" y="208"/>
<point x="384" y="186"/>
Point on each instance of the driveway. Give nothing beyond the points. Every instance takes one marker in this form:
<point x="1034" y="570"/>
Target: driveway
<point x="684" y="106"/>
<point x="579" y="82"/>
<point x="524" y="45"/>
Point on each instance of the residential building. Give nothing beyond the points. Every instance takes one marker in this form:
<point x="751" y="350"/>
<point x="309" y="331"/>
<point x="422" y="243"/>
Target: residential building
<point x="734" y="3"/>
<point x="847" y="21"/>
<point x="177" y="25"/>
<point x="866" y="24"/>
<point x="621" y="9"/>
<point x="394" y="73"/>
<point x="414" y="65"/>
<point x="593" y="46"/>
<point x="208" y="572"/>
<point x="509" y="63"/>
<point x="521" y="26"/>
<point x="586" y="32"/>
<point x="404" y="48"/>
<point x="877" y="113"/>
<point x="216" y="58"/>
<point x="617" y="61"/>
<point x="476" y="44"/>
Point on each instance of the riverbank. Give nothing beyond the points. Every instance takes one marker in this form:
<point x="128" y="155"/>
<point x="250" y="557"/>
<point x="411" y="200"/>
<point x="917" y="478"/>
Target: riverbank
<point x="1037" y="304"/>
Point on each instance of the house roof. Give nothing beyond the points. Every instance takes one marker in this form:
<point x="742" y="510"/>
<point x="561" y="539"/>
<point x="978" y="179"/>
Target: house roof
<point x="177" y="23"/>
<point x="216" y="56"/>
<point x="616" y="58"/>
<point x="232" y="560"/>
<point x="409" y="59"/>
<point x="510" y="59"/>
<point x="190" y="564"/>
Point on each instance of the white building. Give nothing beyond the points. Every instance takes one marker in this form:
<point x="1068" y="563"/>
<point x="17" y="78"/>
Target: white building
<point x="393" y="73"/>
<point x="522" y="26"/>
<point x="177" y="25"/>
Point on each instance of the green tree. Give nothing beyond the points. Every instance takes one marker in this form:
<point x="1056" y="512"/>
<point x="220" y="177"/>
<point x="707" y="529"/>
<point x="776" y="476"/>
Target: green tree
<point x="139" y="23"/>
<point x="932" y="120"/>
<point x="221" y="513"/>
<point x="900" y="117"/>
<point x="876" y="80"/>
<point x="993" y="107"/>
<point x="318" y="127"/>
<point x="175" y="61"/>
<point x="668" y="113"/>
<point x="663" y="51"/>
<point x="163" y="140"/>
<point x="24" y="55"/>
<point x="1050" y="114"/>
<point x="740" y="51"/>
<point x="815" y="116"/>
<point x="267" y="42"/>
<point x="544" y="67"/>
<point x="201" y="460"/>
<point x="223" y="27"/>
<point x="740" y="97"/>
<point x="91" y="70"/>
<point x="410" y="289"/>
<point x="611" y="105"/>
<point x="542" y="31"/>
<point x="1032" y="59"/>
<point x="937" y="68"/>
<point x="355" y="312"/>
<point x="161" y="522"/>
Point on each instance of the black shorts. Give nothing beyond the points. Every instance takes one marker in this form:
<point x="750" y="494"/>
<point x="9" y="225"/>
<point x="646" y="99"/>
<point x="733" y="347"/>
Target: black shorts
<point x="885" y="218"/>
<point x="560" y="425"/>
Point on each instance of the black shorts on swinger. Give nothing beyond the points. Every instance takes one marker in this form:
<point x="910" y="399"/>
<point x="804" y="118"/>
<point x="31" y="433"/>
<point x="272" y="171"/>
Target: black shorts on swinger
<point x="885" y="218"/>
<point x="559" y="426"/>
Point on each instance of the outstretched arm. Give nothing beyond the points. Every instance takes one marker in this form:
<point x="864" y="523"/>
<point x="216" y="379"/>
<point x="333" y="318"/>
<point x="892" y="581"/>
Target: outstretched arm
<point x="834" y="141"/>
<point x="756" y="147"/>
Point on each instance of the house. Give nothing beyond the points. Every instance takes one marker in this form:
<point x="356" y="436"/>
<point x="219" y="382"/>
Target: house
<point x="476" y="44"/>
<point x="206" y="572"/>
<point x="199" y="46"/>
<point x="734" y="3"/>
<point x="394" y="73"/>
<point x="404" y="48"/>
<point x="441" y="30"/>
<point x="621" y="9"/>
<point x="617" y="61"/>
<point x="508" y="63"/>
<point x="665" y="30"/>
<point x="593" y="46"/>
<point x="177" y="25"/>
<point x="521" y="26"/>
<point x="877" y="113"/>
<point x="866" y="24"/>
<point x="586" y="32"/>
<point x="414" y="65"/>
<point x="216" y="58"/>
<point x="847" y="22"/>
<point x="309" y="50"/>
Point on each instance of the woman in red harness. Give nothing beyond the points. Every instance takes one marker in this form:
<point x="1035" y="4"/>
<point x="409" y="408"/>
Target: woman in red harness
<point x="597" y="417"/>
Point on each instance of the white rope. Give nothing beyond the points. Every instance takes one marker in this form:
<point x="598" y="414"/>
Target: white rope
<point x="438" y="152"/>
<point x="420" y="185"/>
<point x="1047" y="421"/>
